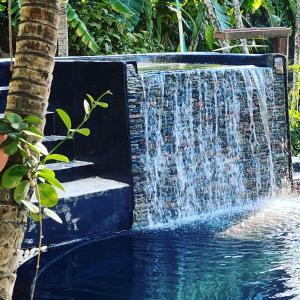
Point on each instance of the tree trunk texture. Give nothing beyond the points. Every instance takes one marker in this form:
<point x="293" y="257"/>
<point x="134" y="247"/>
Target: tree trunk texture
<point x="213" y="17"/>
<point x="297" y="40"/>
<point x="63" y="40"/>
<point x="238" y="16"/>
<point x="29" y="90"/>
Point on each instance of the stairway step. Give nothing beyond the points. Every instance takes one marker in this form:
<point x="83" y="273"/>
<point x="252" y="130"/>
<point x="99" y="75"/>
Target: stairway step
<point x="74" y="170"/>
<point x="67" y="148"/>
<point x="88" y="207"/>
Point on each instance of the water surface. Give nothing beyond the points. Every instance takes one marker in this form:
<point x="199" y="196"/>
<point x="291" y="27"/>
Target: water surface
<point x="251" y="256"/>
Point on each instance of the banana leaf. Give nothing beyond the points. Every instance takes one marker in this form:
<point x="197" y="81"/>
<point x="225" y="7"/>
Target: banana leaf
<point x="130" y="9"/>
<point x="81" y="29"/>
<point x="221" y="15"/>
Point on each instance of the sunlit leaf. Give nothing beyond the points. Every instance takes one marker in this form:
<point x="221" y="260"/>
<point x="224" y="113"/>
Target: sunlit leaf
<point x="33" y="131"/>
<point x="103" y="104"/>
<point x="42" y="148"/>
<point x="84" y="131"/>
<point x="31" y="207"/>
<point x="65" y="118"/>
<point x="36" y="217"/>
<point x="32" y="120"/>
<point x="19" y="126"/>
<point x="13" y="117"/>
<point x="13" y="176"/>
<point x="48" y="195"/>
<point x="53" y="215"/>
<point x="81" y="30"/>
<point x="87" y="107"/>
<point x="91" y="98"/>
<point x="58" y="157"/>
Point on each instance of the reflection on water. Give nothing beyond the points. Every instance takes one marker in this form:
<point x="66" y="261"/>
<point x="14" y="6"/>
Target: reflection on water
<point x="253" y="256"/>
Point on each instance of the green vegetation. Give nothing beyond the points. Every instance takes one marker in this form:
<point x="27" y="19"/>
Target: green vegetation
<point x="294" y="112"/>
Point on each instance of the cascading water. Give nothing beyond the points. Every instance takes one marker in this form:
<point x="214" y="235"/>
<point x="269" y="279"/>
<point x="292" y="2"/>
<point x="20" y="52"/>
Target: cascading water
<point x="207" y="135"/>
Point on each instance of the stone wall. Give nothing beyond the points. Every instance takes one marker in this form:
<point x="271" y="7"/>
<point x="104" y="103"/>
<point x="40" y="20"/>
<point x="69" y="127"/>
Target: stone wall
<point x="236" y="154"/>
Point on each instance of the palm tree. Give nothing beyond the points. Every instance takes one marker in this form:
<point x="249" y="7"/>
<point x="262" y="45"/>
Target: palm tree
<point x="238" y="16"/>
<point x="297" y="36"/>
<point x="63" y="40"/>
<point x="28" y="94"/>
<point x="214" y="19"/>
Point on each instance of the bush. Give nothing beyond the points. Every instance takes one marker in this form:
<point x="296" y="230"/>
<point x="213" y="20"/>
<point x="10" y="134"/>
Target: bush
<point x="113" y="34"/>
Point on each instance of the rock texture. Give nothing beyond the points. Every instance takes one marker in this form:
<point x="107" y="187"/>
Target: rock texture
<point x="206" y="139"/>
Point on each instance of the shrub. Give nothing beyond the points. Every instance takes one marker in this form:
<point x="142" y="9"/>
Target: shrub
<point x="113" y="34"/>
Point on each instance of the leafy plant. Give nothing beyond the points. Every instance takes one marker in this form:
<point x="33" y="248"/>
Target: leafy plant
<point x="294" y="112"/>
<point x="113" y="34"/>
<point x="81" y="29"/>
<point x="32" y="175"/>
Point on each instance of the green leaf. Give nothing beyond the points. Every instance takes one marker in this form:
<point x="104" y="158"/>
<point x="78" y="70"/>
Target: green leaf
<point x="32" y="120"/>
<point x="33" y="131"/>
<point x="21" y="191"/>
<point x="13" y="176"/>
<point x="80" y="29"/>
<point x="65" y="118"/>
<point x="5" y="128"/>
<point x="103" y="104"/>
<point x="19" y="126"/>
<point x="84" y="131"/>
<point x="91" y="98"/>
<point x="42" y="148"/>
<point x="36" y="217"/>
<point x="48" y="195"/>
<point x="46" y="173"/>
<point x="209" y="36"/>
<point x="49" y="176"/>
<point x="31" y="146"/>
<point x="86" y="106"/>
<point x="256" y="5"/>
<point x="53" y="215"/>
<point x="58" y="157"/>
<point x="13" y="118"/>
<point x="56" y="183"/>
<point x="11" y="148"/>
<point x="31" y="207"/>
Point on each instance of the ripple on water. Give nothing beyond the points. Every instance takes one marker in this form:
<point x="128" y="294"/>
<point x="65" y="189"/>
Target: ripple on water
<point x="252" y="256"/>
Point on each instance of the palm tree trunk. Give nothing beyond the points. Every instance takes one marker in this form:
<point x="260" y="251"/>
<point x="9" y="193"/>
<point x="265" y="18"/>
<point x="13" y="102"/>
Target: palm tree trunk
<point x="63" y="40"/>
<point x="297" y="40"/>
<point x="212" y="15"/>
<point x="28" y="94"/>
<point x="238" y="16"/>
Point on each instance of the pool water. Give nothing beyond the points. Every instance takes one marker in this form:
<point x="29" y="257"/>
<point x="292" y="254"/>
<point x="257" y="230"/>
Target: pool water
<point x="251" y="256"/>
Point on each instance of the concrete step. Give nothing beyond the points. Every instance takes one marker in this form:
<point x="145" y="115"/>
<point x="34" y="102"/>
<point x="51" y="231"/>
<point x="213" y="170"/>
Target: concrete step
<point x="74" y="170"/>
<point x="66" y="149"/>
<point x="89" y="207"/>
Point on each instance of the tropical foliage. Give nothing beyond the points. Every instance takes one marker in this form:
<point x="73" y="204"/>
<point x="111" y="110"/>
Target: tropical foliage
<point x="135" y="26"/>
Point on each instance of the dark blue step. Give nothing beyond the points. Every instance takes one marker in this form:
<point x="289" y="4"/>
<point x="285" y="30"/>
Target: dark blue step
<point x="74" y="170"/>
<point x="67" y="148"/>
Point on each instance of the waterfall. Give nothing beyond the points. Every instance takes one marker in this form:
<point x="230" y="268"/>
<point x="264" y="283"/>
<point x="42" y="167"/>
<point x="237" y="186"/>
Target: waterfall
<point x="208" y="140"/>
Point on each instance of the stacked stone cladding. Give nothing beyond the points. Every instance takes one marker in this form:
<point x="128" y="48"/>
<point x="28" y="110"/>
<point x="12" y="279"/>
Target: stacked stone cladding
<point x="276" y="107"/>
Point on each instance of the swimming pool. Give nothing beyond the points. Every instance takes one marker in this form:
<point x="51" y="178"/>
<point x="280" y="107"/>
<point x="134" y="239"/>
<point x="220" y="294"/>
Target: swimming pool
<point x="250" y="256"/>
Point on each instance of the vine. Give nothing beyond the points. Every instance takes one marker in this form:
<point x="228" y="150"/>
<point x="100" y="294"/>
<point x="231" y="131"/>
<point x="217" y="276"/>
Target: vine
<point x="22" y="137"/>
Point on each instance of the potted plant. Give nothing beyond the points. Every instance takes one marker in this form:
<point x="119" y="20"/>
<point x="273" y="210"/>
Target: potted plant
<point x="3" y="155"/>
